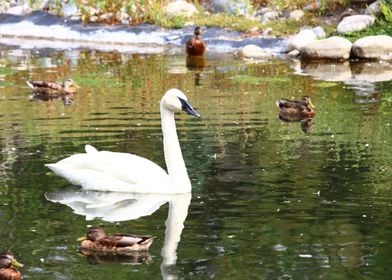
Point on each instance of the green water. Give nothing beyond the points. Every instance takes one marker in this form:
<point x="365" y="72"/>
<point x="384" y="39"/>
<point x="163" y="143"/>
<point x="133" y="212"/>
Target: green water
<point x="269" y="201"/>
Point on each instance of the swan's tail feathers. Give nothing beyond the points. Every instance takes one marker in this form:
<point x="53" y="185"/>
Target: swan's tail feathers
<point x="90" y="149"/>
<point x="30" y="84"/>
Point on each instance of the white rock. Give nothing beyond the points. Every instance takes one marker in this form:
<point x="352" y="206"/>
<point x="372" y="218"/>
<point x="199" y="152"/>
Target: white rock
<point x="181" y="7"/>
<point x="355" y="23"/>
<point x="272" y="15"/>
<point x="19" y="10"/>
<point x="296" y="15"/>
<point x="254" y="52"/>
<point x="373" y="9"/>
<point x="331" y="48"/>
<point x="301" y="39"/>
<point x="373" y="46"/>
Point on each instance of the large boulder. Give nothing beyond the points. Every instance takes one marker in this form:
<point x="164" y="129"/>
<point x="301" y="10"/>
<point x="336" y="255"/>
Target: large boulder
<point x="304" y="37"/>
<point x="254" y="52"/>
<point x="373" y="46"/>
<point x="355" y="23"/>
<point x="331" y="48"/>
<point x="180" y="8"/>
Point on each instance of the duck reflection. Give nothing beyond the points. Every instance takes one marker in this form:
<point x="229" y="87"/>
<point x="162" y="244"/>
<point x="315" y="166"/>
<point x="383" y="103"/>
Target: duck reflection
<point x="196" y="64"/>
<point x="116" y="207"/>
<point x="130" y="258"/>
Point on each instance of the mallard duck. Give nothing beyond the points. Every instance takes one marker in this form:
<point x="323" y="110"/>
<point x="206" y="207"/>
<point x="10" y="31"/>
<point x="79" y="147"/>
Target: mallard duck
<point x="295" y="110"/>
<point x="49" y="90"/>
<point x="195" y="46"/>
<point x="97" y="240"/>
<point x="9" y="267"/>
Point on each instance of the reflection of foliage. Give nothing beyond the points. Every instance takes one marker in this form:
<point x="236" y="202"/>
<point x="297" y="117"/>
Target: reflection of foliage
<point x="258" y="80"/>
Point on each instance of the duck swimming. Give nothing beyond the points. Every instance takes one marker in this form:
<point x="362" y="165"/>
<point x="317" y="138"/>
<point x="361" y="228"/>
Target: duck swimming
<point x="195" y="46"/>
<point x="97" y="240"/>
<point x="122" y="172"/>
<point x="49" y="90"/>
<point x="9" y="267"/>
<point x="295" y="110"/>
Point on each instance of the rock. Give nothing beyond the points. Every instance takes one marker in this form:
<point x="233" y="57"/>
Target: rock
<point x="373" y="9"/>
<point x="387" y="57"/>
<point x="301" y="39"/>
<point x="180" y="8"/>
<point x="293" y="54"/>
<point x="331" y="48"/>
<point x="266" y="31"/>
<point x="69" y="9"/>
<point x="239" y="7"/>
<point x="272" y="15"/>
<point x="319" y="31"/>
<point x="296" y="15"/>
<point x="373" y="46"/>
<point x="254" y="52"/>
<point x="312" y="6"/>
<point x="19" y="10"/>
<point x="355" y="23"/>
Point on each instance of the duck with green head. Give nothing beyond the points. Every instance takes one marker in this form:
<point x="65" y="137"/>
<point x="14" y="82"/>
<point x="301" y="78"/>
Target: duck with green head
<point x="9" y="267"/>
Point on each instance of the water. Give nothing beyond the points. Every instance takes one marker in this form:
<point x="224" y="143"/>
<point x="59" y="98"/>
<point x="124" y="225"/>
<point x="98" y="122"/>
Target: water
<point x="270" y="199"/>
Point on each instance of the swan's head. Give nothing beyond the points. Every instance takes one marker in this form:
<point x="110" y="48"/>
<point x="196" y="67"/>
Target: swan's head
<point x="175" y="100"/>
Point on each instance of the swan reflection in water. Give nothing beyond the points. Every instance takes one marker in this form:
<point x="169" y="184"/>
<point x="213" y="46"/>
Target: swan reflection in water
<point x="122" y="206"/>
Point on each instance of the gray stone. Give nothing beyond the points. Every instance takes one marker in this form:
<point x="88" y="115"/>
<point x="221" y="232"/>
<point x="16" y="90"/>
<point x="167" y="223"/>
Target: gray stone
<point x="254" y="52"/>
<point x="373" y="46"/>
<point x="373" y="9"/>
<point x="355" y="23"/>
<point x="331" y="48"/>
<point x="272" y="15"/>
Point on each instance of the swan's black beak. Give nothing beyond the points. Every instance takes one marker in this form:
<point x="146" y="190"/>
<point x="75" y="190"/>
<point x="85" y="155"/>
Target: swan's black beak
<point x="186" y="107"/>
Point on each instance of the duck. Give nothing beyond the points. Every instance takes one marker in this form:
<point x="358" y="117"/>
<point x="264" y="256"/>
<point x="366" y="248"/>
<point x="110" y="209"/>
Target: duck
<point x="296" y="110"/>
<point x="195" y="46"/>
<point x="49" y="90"/>
<point x="9" y="267"/>
<point x="97" y="240"/>
<point x="124" y="172"/>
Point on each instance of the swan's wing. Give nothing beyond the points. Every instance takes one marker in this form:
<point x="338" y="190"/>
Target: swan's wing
<point x="103" y="170"/>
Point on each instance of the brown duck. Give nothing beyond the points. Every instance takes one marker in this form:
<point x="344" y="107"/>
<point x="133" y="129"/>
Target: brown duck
<point x="195" y="46"/>
<point x="9" y="267"/>
<point x="50" y="90"/>
<point x="97" y="240"/>
<point x="296" y="110"/>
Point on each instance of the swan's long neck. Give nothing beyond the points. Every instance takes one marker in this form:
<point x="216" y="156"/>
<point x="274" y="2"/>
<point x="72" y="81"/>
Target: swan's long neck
<point x="173" y="156"/>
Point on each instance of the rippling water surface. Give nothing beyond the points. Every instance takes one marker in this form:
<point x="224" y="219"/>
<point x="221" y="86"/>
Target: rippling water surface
<point x="270" y="200"/>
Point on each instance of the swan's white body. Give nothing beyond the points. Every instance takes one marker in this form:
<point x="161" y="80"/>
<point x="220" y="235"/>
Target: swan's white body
<point x="122" y="172"/>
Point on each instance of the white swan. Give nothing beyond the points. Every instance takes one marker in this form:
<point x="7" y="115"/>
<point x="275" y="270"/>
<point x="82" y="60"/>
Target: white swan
<point x="122" y="172"/>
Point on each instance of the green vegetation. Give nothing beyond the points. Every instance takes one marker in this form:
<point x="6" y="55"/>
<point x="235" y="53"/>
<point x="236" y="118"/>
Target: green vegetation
<point x="136" y="12"/>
